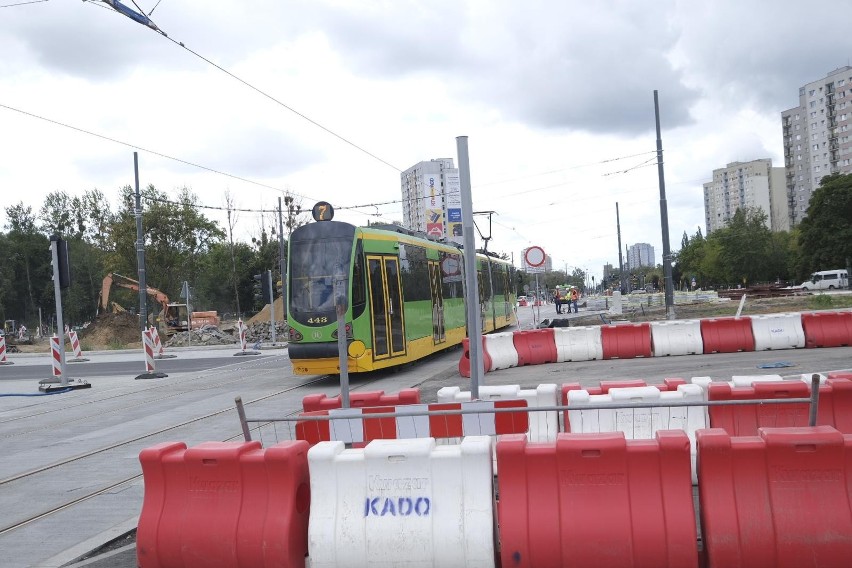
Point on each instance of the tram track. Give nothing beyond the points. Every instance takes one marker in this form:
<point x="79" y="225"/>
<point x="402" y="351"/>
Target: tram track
<point x="126" y="480"/>
<point x="206" y="374"/>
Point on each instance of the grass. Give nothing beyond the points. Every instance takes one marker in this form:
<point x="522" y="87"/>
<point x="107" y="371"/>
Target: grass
<point x="824" y="301"/>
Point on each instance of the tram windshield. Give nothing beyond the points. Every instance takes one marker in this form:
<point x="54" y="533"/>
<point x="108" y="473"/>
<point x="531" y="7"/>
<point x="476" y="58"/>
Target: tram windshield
<point x="317" y="260"/>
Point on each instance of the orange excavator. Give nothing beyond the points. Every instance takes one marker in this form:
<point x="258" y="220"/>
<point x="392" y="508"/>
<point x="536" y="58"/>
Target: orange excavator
<point x="173" y="316"/>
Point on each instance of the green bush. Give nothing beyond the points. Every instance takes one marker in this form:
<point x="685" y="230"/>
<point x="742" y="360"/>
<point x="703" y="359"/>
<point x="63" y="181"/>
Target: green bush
<point x="820" y="302"/>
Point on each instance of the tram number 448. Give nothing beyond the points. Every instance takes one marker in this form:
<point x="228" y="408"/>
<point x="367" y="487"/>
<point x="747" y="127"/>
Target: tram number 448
<point x="323" y="319"/>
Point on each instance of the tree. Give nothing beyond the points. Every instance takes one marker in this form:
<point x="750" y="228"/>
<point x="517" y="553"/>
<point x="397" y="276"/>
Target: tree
<point x="745" y="247"/>
<point x="212" y="288"/>
<point x="27" y="256"/>
<point x="826" y="233"/>
<point x="176" y="235"/>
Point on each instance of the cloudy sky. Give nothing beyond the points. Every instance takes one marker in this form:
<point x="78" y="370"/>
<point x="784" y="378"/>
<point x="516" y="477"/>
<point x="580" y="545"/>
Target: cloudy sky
<point x="556" y="98"/>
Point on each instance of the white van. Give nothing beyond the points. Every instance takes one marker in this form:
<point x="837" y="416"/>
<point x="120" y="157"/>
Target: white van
<point x="826" y="280"/>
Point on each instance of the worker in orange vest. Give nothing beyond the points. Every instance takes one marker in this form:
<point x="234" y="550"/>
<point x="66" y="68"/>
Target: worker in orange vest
<point x="575" y="295"/>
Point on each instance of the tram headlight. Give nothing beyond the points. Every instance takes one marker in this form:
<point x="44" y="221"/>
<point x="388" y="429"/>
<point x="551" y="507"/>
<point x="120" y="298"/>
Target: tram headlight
<point x="295" y="335"/>
<point x="348" y="332"/>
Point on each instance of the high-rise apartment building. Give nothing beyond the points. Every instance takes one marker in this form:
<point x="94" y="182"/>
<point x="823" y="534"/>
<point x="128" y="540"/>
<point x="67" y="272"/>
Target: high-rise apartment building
<point x="817" y="137"/>
<point x="431" y="199"/>
<point x="640" y="254"/>
<point x="755" y="184"/>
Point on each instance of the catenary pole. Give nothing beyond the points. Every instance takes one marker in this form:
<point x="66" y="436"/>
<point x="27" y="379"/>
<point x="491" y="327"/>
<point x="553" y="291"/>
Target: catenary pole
<point x="474" y="321"/>
<point x="140" y="251"/>
<point x="664" y="218"/>
<point x="621" y="275"/>
<point x="282" y="268"/>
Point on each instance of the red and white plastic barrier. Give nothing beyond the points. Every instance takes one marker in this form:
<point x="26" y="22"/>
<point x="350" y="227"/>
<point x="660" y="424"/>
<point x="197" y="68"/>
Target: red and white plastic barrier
<point x="224" y="504"/>
<point x="544" y="425"/>
<point x="626" y="341"/>
<point x="501" y="349"/>
<point x="56" y="356"/>
<point x="535" y="346"/>
<point x="578" y="343"/>
<point x="639" y="423"/>
<point x="778" y="331"/>
<point x="777" y="499"/>
<point x="827" y="329"/>
<point x="359" y="399"/>
<point x="402" y="503"/>
<point x="596" y="500"/>
<point x="354" y="425"/>
<point x="2" y="350"/>
<point x="148" y="347"/>
<point x="676" y="338"/>
<point x="727" y="335"/>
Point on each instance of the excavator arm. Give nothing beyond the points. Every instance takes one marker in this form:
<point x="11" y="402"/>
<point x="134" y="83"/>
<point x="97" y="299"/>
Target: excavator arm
<point x="115" y="279"/>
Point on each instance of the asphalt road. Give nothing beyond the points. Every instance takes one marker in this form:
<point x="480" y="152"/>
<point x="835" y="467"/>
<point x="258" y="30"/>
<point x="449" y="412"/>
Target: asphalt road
<point x="428" y="375"/>
<point x="93" y="368"/>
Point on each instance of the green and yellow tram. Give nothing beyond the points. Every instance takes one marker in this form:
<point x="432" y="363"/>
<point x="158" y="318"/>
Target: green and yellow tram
<point x="404" y="296"/>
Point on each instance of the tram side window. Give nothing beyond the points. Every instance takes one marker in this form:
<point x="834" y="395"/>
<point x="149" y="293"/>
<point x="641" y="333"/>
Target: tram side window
<point x="498" y="270"/>
<point x="359" y="288"/>
<point x="452" y="275"/>
<point x="415" y="272"/>
<point x="484" y="283"/>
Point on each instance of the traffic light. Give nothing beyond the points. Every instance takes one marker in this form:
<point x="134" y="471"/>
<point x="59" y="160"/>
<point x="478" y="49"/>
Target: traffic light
<point x="256" y="288"/>
<point x="262" y="287"/>
<point x="64" y="268"/>
<point x="266" y="287"/>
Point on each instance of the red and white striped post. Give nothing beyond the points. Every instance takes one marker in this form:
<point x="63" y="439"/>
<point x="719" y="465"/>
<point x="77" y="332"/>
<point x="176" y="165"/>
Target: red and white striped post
<point x="158" y="345"/>
<point x="242" y="330"/>
<point x="75" y="344"/>
<point x="57" y="356"/>
<point x="148" y="345"/>
<point x="3" y="360"/>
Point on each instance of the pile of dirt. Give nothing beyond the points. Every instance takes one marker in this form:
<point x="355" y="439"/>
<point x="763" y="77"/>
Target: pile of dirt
<point x="263" y="314"/>
<point x="113" y="330"/>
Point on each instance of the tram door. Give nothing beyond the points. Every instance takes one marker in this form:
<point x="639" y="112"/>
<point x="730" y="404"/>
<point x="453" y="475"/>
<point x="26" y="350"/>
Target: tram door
<point x="386" y="299"/>
<point x="439" y="333"/>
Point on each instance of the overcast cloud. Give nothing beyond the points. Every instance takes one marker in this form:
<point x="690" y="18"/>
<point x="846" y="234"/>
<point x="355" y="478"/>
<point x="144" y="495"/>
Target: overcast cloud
<point x="550" y="93"/>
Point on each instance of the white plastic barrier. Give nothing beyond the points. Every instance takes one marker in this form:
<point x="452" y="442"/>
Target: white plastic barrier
<point x="401" y="503"/>
<point x="806" y="378"/>
<point x="544" y="425"/>
<point x="640" y="423"/>
<point x="676" y="338"/>
<point x="501" y="349"/>
<point x="778" y="331"/>
<point x="578" y="343"/>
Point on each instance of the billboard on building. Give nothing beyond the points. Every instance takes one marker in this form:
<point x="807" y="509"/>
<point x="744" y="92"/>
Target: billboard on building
<point x="433" y="204"/>
<point x="452" y="186"/>
<point x="435" y="222"/>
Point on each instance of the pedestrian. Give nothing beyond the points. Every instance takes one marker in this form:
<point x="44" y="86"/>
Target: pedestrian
<point x="575" y="295"/>
<point x="557" y="299"/>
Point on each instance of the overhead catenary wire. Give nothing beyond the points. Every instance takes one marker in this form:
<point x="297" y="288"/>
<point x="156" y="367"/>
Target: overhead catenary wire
<point x="153" y="152"/>
<point x="22" y="3"/>
<point x="227" y="174"/>
<point x="249" y="85"/>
